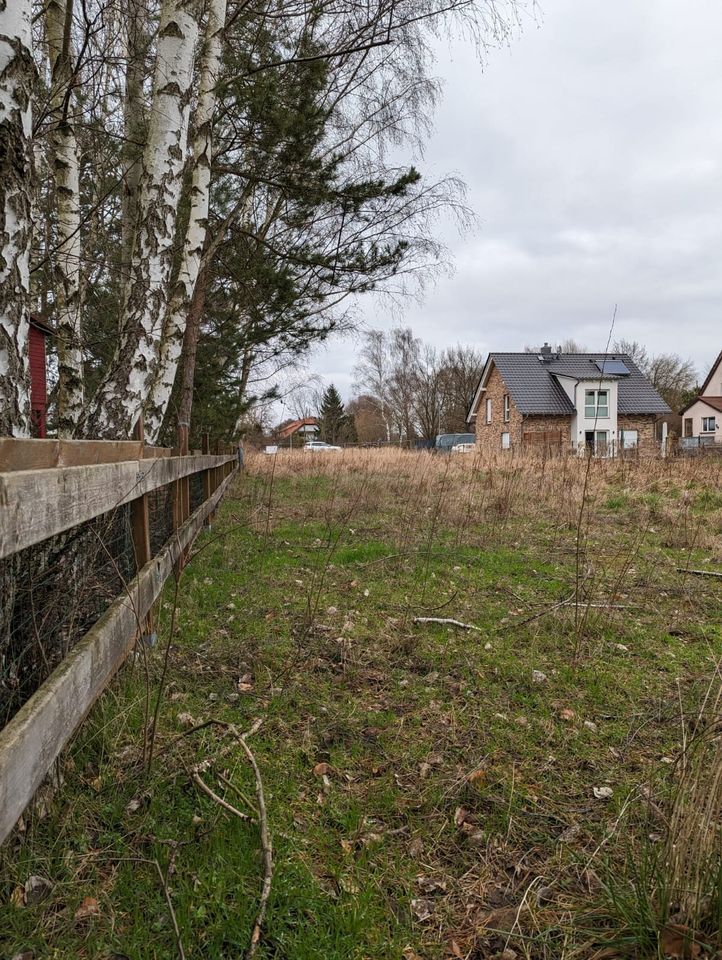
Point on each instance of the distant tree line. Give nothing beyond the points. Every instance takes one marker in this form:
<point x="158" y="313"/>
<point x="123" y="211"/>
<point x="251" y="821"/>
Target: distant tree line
<point x="407" y="389"/>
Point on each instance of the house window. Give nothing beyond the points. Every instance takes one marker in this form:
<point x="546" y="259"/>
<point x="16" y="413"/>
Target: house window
<point x="597" y="442"/>
<point x="596" y="404"/>
<point x="688" y="427"/>
<point x="709" y="424"/>
<point x="629" y="439"/>
<point x="505" y="441"/>
<point x="507" y="410"/>
<point x="488" y="411"/>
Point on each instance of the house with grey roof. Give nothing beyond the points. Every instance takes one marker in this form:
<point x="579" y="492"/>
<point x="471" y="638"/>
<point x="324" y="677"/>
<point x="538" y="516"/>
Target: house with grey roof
<point x="596" y="402"/>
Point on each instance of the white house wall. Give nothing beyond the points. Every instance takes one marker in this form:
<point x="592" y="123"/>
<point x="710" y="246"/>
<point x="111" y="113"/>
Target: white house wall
<point x="581" y="423"/>
<point x="696" y="412"/>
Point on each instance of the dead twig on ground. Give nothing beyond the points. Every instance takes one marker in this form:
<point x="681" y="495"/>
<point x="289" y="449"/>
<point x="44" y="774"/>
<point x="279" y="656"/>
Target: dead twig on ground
<point x="447" y="620"/>
<point x="265" y="841"/>
<point x="200" y="782"/>
<point x="171" y="911"/>
<point x="700" y="573"/>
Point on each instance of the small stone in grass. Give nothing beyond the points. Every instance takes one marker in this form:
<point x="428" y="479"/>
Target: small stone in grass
<point x="538" y="677"/>
<point x="603" y="793"/>
<point x="591" y="725"/>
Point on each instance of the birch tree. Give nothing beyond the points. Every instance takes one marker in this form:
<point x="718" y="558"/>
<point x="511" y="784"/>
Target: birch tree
<point x="175" y="322"/>
<point x="17" y="72"/>
<point x="67" y="265"/>
<point x="125" y="387"/>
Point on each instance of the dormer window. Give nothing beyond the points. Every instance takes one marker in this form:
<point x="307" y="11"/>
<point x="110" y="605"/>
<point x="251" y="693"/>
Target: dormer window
<point x="596" y="404"/>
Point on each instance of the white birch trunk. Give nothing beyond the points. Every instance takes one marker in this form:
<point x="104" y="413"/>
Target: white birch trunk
<point x="124" y="389"/>
<point x="174" y="328"/>
<point x="17" y="73"/>
<point x="66" y="268"/>
<point x="136" y="16"/>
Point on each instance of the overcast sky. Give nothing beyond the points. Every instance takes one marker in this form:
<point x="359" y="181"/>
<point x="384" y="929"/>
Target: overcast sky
<point x="592" y="149"/>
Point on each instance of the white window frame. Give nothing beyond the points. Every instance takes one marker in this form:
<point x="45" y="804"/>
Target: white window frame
<point x="595" y="406"/>
<point x="506" y="440"/>
<point x="489" y="410"/>
<point x="629" y="439"/>
<point x="709" y="424"/>
<point x="507" y="408"/>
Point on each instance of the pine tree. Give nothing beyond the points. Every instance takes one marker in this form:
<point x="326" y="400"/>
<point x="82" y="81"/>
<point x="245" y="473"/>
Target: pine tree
<point x="336" y="425"/>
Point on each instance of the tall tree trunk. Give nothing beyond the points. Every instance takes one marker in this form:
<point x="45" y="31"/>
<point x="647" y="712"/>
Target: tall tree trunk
<point x="134" y="123"/>
<point x="17" y="74"/>
<point x="176" y="317"/>
<point x="124" y="388"/>
<point x="190" y="345"/>
<point x="66" y="167"/>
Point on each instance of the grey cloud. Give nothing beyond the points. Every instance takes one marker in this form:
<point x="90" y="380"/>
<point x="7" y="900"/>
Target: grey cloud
<point x="592" y="147"/>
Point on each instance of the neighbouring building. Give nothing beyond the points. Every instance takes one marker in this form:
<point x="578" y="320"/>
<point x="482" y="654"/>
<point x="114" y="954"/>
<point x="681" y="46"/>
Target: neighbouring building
<point x="553" y="401"/>
<point x="702" y="418"/>
<point x="296" y="432"/>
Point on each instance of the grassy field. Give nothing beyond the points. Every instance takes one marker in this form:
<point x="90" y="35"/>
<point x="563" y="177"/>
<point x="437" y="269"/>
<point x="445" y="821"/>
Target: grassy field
<point x="533" y="787"/>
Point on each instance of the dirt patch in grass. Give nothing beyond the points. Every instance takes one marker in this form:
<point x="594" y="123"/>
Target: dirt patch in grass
<point x="432" y="792"/>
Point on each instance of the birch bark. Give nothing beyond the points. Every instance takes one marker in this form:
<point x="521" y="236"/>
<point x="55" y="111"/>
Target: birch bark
<point x="136" y="17"/>
<point x="124" y="388"/>
<point x="17" y="73"/>
<point x="177" y="315"/>
<point x="66" y="269"/>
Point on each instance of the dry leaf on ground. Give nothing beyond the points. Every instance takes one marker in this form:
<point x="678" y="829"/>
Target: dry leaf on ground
<point x="87" y="909"/>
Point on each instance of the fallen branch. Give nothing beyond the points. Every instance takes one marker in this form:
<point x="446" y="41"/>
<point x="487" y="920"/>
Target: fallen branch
<point x="598" y="606"/>
<point x="171" y="911"/>
<point x="265" y="842"/>
<point x="200" y="782"/>
<point x="448" y="620"/>
<point x="700" y="573"/>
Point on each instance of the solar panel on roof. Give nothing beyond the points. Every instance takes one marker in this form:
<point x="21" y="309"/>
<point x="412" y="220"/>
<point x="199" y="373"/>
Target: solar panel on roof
<point x="616" y="367"/>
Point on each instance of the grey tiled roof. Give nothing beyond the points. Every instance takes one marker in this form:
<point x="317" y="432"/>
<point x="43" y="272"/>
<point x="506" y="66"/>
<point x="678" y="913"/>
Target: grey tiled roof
<point x="535" y="390"/>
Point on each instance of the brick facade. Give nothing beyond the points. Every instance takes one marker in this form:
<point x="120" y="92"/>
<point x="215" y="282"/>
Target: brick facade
<point x="488" y="435"/>
<point x="553" y="432"/>
<point x="647" y="445"/>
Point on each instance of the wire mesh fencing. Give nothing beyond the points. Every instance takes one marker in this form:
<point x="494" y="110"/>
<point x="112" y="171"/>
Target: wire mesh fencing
<point x="52" y="593"/>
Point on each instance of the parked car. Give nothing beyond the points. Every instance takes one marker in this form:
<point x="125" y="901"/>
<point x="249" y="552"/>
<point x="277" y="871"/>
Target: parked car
<point x="445" y="442"/>
<point x="463" y="448"/>
<point x="320" y="446"/>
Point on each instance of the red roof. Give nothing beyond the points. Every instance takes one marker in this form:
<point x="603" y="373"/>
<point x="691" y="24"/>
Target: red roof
<point x="295" y="425"/>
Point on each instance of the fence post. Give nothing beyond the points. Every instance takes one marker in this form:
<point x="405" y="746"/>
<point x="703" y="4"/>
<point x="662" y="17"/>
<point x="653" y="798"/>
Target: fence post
<point x="179" y="490"/>
<point x="207" y="478"/>
<point x="140" y="527"/>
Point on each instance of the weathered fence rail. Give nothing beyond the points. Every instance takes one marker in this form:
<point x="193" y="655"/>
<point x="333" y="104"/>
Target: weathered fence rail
<point x="48" y="487"/>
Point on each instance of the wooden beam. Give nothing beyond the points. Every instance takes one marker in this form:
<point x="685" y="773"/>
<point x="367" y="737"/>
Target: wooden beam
<point x="24" y="454"/>
<point x="37" y="504"/>
<point x="31" y="742"/>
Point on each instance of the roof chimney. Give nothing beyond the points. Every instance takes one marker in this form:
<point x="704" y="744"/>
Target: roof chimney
<point x="546" y="350"/>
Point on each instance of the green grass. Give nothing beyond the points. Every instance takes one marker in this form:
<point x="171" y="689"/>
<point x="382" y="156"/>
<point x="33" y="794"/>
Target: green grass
<point x="311" y="606"/>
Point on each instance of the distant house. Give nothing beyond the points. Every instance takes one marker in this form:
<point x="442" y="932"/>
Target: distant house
<point x="702" y="418"/>
<point x="594" y="402"/>
<point x="298" y="431"/>
<point x="40" y="330"/>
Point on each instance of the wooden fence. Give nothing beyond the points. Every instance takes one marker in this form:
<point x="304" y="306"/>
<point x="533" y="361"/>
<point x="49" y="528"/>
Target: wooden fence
<point x="50" y="486"/>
